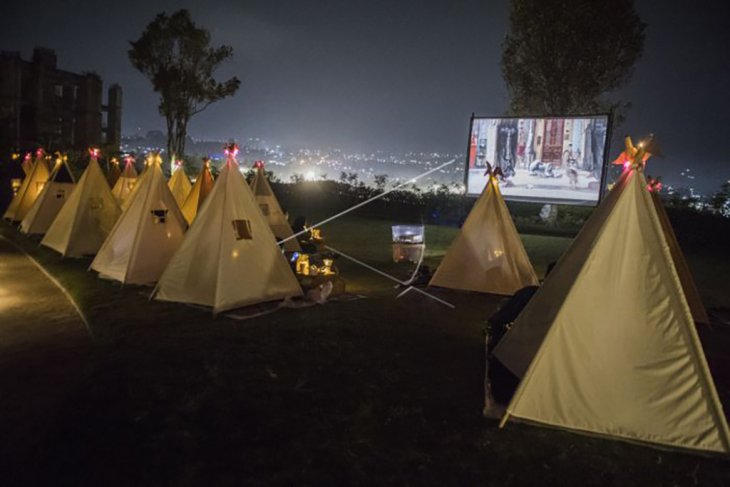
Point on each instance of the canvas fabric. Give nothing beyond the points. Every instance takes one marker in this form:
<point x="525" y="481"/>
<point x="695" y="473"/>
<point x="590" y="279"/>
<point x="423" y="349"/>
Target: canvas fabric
<point x="517" y="349"/>
<point x="29" y="190"/>
<point x="27" y="166"/>
<point x="622" y="357"/>
<point x="699" y="313"/>
<point x="87" y="217"/>
<point x="55" y="193"/>
<point x="125" y="183"/>
<point x="487" y="255"/>
<point x="270" y="208"/>
<point x="180" y="186"/>
<point x="197" y="195"/>
<point x="141" y="243"/>
<point x="214" y="267"/>
<point x="137" y="182"/>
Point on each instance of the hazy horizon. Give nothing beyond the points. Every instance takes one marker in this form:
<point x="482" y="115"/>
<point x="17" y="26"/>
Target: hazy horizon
<point x="389" y="75"/>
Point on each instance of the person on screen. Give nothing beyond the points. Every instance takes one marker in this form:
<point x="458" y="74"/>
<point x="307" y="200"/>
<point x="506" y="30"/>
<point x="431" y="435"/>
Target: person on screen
<point x="472" y="150"/>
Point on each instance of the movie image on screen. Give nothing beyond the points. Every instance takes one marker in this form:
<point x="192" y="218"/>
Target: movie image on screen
<point x="543" y="160"/>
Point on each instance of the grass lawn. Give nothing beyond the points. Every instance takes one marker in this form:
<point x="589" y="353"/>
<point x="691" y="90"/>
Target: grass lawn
<point x="369" y="391"/>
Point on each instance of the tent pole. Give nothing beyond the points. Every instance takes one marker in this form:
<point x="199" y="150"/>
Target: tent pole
<point x="388" y="276"/>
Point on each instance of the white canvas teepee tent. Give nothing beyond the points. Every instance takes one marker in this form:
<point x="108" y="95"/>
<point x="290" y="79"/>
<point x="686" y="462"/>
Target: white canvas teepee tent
<point x="27" y="163"/>
<point x="86" y="218"/>
<point x="180" y="185"/>
<point x="146" y="235"/>
<point x="699" y="313"/>
<point x="55" y="193"/>
<point x="229" y="257"/>
<point x="125" y="184"/>
<point x="269" y="205"/>
<point x="487" y="255"/>
<point x="29" y="190"/>
<point x="151" y="159"/>
<point x="619" y="355"/>
<point x="199" y="192"/>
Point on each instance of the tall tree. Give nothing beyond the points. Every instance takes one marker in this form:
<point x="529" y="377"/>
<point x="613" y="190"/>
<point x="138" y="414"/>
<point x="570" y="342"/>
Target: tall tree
<point x="563" y="57"/>
<point x="176" y="56"/>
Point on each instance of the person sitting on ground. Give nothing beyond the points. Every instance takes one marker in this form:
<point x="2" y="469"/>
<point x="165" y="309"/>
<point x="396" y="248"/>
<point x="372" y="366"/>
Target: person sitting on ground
<point x="500" y="383"/>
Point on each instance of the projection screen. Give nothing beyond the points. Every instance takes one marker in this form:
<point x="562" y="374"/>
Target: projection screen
<point x="542" y="159"/>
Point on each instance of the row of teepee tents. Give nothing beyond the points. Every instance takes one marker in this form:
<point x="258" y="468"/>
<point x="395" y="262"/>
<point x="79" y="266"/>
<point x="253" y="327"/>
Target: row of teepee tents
<point x="137" y="230"/>
<point x="607" y="345"/>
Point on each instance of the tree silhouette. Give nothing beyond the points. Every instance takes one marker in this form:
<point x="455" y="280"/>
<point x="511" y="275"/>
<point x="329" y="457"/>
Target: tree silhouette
<point x="178" y="59"/>
<point x="565" y="57"/>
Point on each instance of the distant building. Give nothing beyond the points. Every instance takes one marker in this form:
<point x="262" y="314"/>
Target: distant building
<point x="41" y="105"/>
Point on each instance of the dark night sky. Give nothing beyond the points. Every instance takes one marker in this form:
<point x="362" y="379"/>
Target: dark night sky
<point x="402" y="75"/>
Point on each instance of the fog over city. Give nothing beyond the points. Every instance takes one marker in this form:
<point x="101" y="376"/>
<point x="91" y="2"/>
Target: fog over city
<point x="399" y="76"/>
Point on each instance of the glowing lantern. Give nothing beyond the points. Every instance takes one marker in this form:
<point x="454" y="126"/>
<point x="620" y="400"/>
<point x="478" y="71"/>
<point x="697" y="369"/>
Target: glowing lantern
<point x="15" y="184"/>
<point x="302" y="265"/>
<point x="326" y="268"/>
<point x="315" y="234"/>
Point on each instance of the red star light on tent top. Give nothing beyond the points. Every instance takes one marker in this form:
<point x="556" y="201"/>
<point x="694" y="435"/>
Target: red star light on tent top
<point x="258" y="164"/>
<point x="636" y="156"/>
<point x="94" y="152"/>
<point x="39" y="152"/>
<point x="128" y="159"/>
<point x="231" y="150"/>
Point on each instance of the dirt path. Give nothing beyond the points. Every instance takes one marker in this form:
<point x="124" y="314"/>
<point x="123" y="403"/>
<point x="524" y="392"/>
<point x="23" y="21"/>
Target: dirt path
<point x="45" y="351"/>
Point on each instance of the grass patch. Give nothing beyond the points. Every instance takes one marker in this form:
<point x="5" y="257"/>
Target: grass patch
<point x="372" y="391"/>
